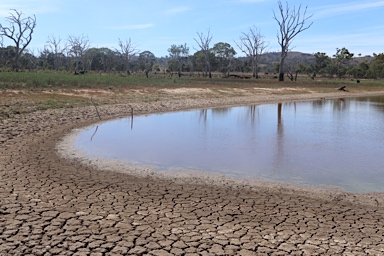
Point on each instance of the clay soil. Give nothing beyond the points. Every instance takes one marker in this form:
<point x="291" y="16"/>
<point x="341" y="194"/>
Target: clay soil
<point x="51" y="204"/>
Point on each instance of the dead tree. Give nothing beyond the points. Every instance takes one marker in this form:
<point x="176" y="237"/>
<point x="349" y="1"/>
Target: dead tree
<point x="291" y="22"/>
<point x="77" y="47"/>
<point x="126" y="51"/>
<point x="253" y="46"/>
<point x="53" y="45"/>
<point x="203" y="43"/>
<point x="20" y="31"/>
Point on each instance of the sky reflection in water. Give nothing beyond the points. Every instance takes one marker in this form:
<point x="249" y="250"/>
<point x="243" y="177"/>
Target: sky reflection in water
<point x="331" y="142"/>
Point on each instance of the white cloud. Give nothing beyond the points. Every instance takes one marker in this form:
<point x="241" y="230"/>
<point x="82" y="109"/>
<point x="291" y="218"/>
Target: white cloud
<point x="131" y="27"/>
<point x="249" y="1"/>
<point x="338" y="9"/>
<point x="176" y="10"/>
<point x="28" y="7"/>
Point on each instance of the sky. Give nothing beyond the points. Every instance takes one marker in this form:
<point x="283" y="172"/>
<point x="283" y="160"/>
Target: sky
<point x="155" y="25"/>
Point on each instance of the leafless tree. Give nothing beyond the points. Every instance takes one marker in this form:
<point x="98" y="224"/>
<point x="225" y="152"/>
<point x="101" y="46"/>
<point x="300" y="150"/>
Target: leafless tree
<point x="126" y="51"/>
<point x="20" y="31"/>
<point x="53" y="45"/>
<point x="292" y="21"/>
<point x="203" y="43"/>
<point x="77" y="46"/>
<point x="253" y="45"/>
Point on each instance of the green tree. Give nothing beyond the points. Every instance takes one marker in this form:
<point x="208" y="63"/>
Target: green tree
<point x="180" y="54"/>
<point x="342" y="57"/>
<point x="359" y="71"/>
<point x="376" y="67"/>
<point x="322" y="60"/>
<point x="224" y="54"/>
<point x="101" y="59"/>
<point x="146" y="61"/>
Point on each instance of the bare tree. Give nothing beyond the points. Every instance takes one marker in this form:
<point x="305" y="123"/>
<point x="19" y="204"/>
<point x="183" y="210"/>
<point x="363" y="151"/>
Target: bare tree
<point x="203" y="43"/>
<point x="126" y="51"/>
<point x="53" y="45"/>
<point x="20" y="31"/>
<point x="252" y="44"/>
<point x="291" y="22"/>
<point x="76" y="49"/>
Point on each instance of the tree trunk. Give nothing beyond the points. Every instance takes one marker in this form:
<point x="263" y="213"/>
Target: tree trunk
<point x="281" y="69"/>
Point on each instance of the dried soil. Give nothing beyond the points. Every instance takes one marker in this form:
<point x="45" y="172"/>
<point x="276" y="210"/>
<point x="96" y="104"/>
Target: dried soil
<point x="55" y="205"/>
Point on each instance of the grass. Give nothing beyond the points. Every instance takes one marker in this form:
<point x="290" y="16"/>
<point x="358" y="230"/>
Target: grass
<point x="23" y="92"/>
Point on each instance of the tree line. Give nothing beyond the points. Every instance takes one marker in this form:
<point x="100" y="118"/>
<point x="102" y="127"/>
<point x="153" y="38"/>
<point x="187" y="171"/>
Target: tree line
<point x="76" y="54"/>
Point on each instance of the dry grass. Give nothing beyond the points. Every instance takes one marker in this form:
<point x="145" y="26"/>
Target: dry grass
<point x="19" y="96"/>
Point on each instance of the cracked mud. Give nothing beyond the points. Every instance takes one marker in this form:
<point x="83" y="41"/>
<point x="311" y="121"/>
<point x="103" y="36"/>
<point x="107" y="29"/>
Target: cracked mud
<point x="50" y="205"/>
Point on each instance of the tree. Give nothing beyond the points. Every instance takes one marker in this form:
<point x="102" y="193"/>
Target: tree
<point x="225" y="54"/>
<point x="180" y="54"/>
<point x="146" y="61"/>
<point x="292" y="22"/>
<point x="126" y="51"/>
<point x="342" y="58"/>
<point x="203" y="43"/>
<point x="376" y="67"/>
<point x="321" y="62"/>
<point x="77" y="46"/>
<point x="252" y="44"/>
<point x="20" y="31"/>
<point x="53" y="46"/>
<point x="101" y="59"/>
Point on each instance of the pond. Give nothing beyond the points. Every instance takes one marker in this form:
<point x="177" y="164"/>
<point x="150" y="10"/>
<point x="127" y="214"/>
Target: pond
<point x="337" y="142"/>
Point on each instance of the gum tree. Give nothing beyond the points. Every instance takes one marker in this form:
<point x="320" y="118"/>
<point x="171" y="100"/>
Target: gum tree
<point x="180" y="54"/>
<point x="225" y="55"/>
<point x="253" y="45"/>
<point x="291" y="21"/>
<point x="20" y="31"/>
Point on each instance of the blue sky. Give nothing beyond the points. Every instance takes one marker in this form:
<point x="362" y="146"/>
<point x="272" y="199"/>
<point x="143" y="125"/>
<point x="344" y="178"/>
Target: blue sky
<point x="155" y="25"/>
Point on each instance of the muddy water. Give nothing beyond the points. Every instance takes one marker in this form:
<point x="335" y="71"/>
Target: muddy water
<point x="326" y="142"/>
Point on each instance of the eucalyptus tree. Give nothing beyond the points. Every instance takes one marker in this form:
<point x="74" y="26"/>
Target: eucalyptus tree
<point x="225" y="54"/>
<point x="321" y="63"/>
<point x="20" y="31"/>
<point x="203" y="42"/>
<point x="180" y="54"/>
<point x="342" y="57"/>
<point x="291" y="21"/>
<point x="101" y="59"/>
<point x="146" y="61"/>
<point x="253" y="45"/>
<point x="376" y="67"/>
<point x="126" y="51"/>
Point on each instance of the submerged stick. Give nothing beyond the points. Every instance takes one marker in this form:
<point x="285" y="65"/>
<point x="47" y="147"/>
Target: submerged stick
<point x="131" y="118"/>
<point x="97" y="111"/>
<point x="97" y="127"/>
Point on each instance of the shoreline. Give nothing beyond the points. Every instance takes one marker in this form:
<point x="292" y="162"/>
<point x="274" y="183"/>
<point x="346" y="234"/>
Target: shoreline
<point x="67" y="150"/>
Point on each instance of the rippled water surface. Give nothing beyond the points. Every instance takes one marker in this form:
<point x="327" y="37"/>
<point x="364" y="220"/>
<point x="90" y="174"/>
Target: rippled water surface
<point x="325" y="142"/>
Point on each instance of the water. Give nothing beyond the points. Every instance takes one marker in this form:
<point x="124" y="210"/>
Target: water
<point x="325" y="142"/>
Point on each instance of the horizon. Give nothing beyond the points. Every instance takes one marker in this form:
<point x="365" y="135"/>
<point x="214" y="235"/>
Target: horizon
<point x="154" y="26"/>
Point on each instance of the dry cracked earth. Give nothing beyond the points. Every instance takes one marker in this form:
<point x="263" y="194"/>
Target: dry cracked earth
<point x="54" y="206"/>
